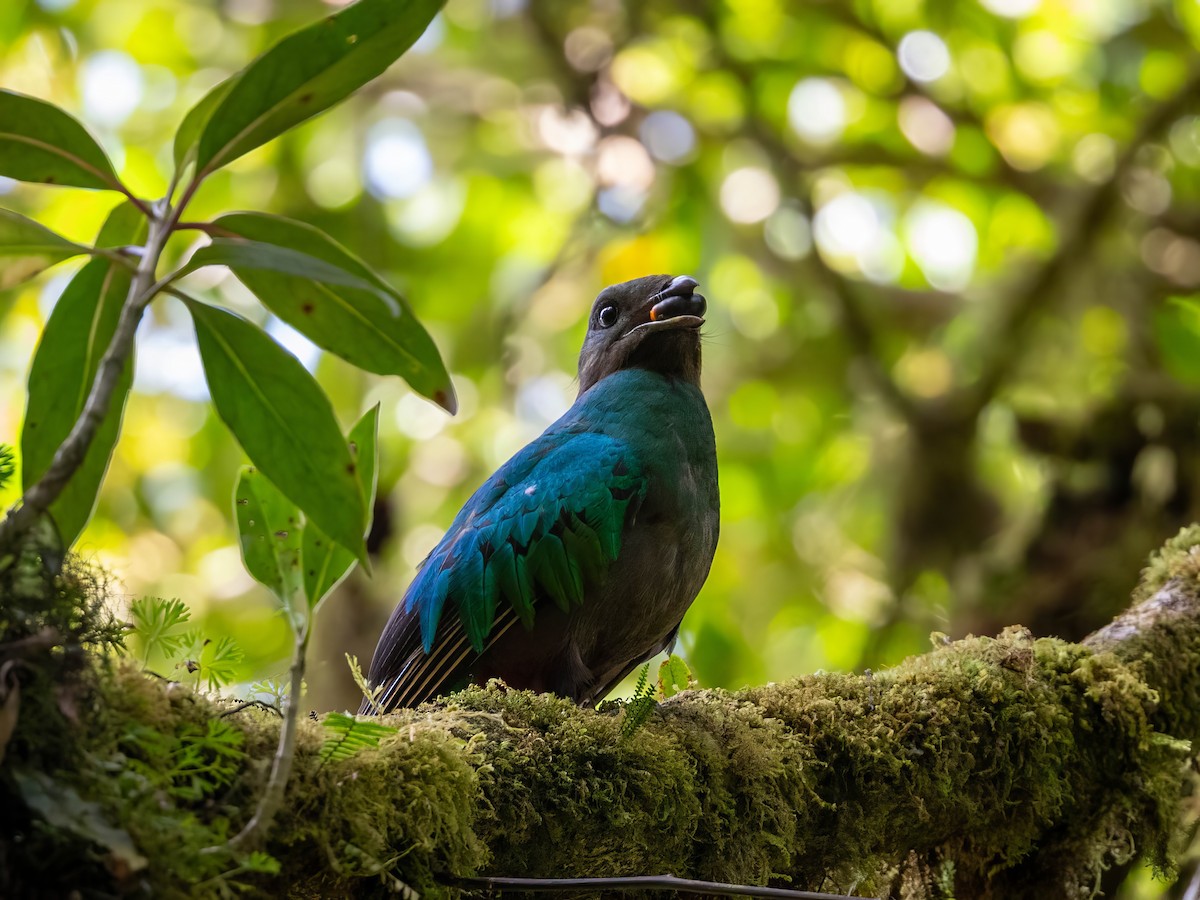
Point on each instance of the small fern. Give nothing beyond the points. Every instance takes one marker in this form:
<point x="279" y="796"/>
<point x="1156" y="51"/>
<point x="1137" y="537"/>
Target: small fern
<point x="190" y="764"/>
<point x="213" y="662"/>
<point x="154" y="624"/>
<point x="8" y="464"/>
<point x="348" y="735"/>
<point x="673" y="676"/>
<point x="261" y="862"/>
<point x="639" y="706"/>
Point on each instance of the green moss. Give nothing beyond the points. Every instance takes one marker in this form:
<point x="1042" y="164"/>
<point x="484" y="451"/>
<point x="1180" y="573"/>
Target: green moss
<point x="1179" y="558"/>
<point x="1160" y="635"/>
<point x="989" y="767"/>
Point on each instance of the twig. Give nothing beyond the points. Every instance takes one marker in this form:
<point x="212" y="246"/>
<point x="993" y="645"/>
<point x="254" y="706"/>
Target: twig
<point x="182" y="295"/>
<point x="207" y="227"/>
<point x="145" y="210"/>
<point x="73" y="450"/>
<point x="281" y="765"/>
<point x="642" y="883"/>
<point x="186" y="198"/>
<point x="119" y="255"/>
<point x="246" y="704"/>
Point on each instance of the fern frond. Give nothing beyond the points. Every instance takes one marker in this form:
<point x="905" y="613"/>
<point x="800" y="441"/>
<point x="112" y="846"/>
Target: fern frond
<point x="154" y="621"/>
<point x="8" y="464"/>
<point x="348" y="735"/>
<point x="219" y="660"/>
<point x="371" y="694"/>
<point x="639" y="706"/>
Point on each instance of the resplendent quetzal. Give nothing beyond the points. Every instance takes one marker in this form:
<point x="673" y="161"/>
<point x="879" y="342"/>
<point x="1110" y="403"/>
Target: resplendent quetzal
<point x="576" y="561"/>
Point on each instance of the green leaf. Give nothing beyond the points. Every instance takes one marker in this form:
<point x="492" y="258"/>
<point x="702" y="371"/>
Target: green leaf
<point x="348" y="735"/>
<point x="283" y="420"/>
<point x="125" y="225"/>
<point x="187" y="138"/>
<point x="374" y="329"/>
<point x="325" y="562"/>
<point x="370" y="694"/>
<point x="27" y="248"/>
<point x="269" y="531"/>
<point x="41" y="143"/>
<point x="64" y="367"/>
<point x="240" y="254"/>
<point x="673" y="676"/>
<point x="308" y="72"/>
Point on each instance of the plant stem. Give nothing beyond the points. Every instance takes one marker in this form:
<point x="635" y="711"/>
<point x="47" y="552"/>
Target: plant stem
<point x="73" y="450"/>
<point x="281" y="765"/>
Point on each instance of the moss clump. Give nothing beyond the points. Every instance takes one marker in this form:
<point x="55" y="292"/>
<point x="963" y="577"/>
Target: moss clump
<point x="1178" y="558"/>
<point x="55" y="634"/>
<point x="990" y="767"/>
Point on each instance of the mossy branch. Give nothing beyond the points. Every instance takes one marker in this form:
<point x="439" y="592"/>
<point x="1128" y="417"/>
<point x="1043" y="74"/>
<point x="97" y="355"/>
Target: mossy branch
<point x="989" y="767"/>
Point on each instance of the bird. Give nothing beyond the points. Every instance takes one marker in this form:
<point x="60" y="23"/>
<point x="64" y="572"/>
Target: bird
<point x="575" y="562"/>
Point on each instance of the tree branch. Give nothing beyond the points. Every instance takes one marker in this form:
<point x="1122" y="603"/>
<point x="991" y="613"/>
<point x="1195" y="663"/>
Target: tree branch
<point x="1007" y="767"/>
<point x="73" y="450"/>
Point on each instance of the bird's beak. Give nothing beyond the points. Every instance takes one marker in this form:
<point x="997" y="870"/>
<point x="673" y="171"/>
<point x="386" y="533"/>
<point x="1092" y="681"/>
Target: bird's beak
<point x="676" y="306"/>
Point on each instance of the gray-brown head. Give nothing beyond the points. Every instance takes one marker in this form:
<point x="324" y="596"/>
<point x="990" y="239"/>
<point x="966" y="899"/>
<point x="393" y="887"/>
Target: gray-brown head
<point x="648" y="323"/>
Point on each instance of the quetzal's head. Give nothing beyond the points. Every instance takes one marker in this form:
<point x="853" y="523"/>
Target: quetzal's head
<point x="648" y="323"/>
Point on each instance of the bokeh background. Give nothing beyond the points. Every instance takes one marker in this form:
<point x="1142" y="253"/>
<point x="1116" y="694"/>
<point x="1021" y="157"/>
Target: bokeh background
<point x="950" y="249"/>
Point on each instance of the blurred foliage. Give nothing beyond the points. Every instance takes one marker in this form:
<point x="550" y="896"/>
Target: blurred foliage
<point x="949" y="247"/>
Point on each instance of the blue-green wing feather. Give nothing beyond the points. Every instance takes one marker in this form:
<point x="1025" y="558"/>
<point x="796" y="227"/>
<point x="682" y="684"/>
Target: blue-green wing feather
<point x="547" y="524"/>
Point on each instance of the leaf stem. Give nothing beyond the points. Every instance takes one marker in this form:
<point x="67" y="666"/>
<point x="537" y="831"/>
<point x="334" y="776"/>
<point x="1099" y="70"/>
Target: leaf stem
<point x="207" y="227"/>
<point x="146" y="210"/>
<point x="281" y="765"/>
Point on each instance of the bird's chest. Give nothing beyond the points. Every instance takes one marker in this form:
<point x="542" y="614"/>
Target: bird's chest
<point x="669" y="540"/>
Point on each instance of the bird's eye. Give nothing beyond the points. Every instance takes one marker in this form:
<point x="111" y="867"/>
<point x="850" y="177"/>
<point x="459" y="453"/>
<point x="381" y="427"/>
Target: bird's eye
<point x="607" y="317"/>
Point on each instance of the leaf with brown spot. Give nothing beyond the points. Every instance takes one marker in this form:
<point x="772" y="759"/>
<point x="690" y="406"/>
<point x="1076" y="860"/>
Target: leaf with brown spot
<point x="304" y="74"/>
<point x="360" y="317"/>
<point x="41" y="143"/>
